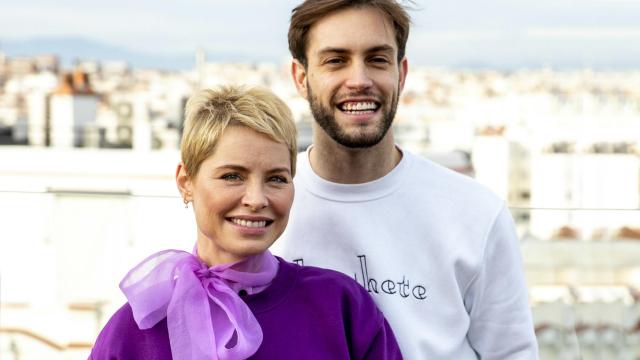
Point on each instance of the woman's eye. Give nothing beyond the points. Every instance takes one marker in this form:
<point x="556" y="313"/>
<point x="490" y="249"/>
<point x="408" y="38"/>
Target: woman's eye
<point x="279" y="179"/>
<point x="231" y="177"/>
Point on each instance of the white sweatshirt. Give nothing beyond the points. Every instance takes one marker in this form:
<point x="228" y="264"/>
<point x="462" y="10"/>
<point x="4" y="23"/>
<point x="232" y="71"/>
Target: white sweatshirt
<point x="437" y="251"/>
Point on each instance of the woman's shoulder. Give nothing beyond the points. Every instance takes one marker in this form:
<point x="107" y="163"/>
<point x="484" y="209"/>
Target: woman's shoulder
<point x="121" y="338"/>
<point x="335" y="303"/>
<point x="317" y="276"/>
<point x="121" y="322"/>
<point x="330" y="284"/>
<point x="110" y="338"/>
<point x="325" y="276"/>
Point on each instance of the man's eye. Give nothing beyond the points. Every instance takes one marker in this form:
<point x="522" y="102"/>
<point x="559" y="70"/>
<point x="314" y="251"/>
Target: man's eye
<point x="380" y="60"/>
<point x="231" y="177"/>
<point x="334" y="61"/>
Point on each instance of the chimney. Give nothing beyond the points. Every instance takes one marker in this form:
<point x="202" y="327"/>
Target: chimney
<point x="81" y="83"/>
<point x="66" y="85"/>
<point x="76" y="83"/>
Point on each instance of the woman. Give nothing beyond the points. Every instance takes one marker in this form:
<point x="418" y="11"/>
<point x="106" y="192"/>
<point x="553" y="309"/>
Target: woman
<point x="230" y="298"/>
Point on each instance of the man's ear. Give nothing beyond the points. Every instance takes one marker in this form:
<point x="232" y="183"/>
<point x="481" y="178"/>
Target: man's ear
<point x="183" y="181"/>
<point x="403" y="68"/>
<point x="299" y="75"/>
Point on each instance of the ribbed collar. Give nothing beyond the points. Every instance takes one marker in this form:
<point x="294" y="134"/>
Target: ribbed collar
<point x="368" y="191"/>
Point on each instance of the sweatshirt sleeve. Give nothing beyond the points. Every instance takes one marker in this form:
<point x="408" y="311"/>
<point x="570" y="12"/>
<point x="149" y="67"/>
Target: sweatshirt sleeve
<point x="497" y="300"/>
<point x="369" y="335"/>
<point x="383" y="344"/>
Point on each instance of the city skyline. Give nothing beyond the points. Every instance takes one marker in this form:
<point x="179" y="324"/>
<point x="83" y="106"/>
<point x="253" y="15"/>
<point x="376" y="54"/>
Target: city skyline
<point x="459" y="33"/>
<point x="89" y="156"/>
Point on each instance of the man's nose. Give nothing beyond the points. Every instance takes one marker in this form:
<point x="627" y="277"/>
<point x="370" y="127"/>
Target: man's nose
<point x="359" y="77"/>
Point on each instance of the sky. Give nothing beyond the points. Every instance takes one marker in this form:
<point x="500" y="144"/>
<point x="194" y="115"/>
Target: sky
<point x="498" y="33"/>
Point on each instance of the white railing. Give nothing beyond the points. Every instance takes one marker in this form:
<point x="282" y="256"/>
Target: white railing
<point x="62" y="254"/>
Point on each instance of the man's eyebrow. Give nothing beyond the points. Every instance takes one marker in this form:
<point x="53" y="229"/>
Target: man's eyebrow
<point x="338" y="50"/>
<point x="332" y="50"/>
<point x="381" y="48"/>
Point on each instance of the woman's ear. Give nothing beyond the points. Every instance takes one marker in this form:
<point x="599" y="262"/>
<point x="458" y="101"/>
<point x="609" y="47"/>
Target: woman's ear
<point x="183" y="181"/>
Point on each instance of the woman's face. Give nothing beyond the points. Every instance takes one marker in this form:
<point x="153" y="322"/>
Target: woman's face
<point x="241" y="195"/>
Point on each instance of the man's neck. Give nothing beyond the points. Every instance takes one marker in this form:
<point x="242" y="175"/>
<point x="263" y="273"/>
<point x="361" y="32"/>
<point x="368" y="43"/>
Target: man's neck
<point x="343" y="165"/>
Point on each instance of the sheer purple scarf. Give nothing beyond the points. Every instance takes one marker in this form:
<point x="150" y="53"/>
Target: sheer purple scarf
<point x="206" y="318"/>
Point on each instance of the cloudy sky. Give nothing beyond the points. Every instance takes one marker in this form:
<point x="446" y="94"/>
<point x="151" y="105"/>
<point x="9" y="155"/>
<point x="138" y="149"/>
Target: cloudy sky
<point x="499" y="33"/>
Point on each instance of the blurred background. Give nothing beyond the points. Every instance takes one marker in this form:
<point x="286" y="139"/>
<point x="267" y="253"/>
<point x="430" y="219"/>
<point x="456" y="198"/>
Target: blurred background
<point x="538" y="100"/>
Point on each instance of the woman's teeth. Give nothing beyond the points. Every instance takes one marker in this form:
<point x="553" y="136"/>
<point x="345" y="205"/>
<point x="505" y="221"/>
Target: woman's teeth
<point x="248" y="223"/>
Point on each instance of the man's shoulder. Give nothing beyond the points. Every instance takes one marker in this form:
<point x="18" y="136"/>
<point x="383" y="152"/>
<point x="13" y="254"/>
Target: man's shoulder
<point x="437" y="178"/>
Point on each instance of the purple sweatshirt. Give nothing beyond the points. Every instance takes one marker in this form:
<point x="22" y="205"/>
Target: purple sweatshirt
<point x="306" y="313"/>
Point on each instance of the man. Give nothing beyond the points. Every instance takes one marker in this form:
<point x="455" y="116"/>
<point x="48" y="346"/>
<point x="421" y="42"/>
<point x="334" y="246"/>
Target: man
<point x="437" y="251"/>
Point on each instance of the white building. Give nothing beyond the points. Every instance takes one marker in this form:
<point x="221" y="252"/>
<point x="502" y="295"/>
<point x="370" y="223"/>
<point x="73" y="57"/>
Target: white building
<point x="72" y="226"/>
<point x="73" y="108"/>
<point x="502" y="164"/>
<point x="585" y="182"/>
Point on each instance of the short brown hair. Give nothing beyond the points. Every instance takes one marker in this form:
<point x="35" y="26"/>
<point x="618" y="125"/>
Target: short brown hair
<point x="309" y="12"/>
<point x="208" y="113"/>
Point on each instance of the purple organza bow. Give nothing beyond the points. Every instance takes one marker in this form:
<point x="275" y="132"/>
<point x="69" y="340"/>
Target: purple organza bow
<point x="205" y="316"/>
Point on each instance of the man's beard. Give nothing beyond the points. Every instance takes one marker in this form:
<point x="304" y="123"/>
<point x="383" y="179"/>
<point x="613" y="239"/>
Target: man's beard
<point x="327" y="121"/>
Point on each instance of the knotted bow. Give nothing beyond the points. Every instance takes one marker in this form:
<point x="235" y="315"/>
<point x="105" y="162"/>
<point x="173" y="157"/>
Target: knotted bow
<point x="206" y="318"/>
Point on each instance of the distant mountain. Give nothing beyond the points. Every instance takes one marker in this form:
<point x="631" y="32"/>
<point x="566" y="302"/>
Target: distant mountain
<point x="70" y="49"/>
<point x="574" y="55"/>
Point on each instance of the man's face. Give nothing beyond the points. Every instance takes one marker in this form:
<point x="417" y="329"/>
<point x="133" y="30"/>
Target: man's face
<point x="352" y="80"/>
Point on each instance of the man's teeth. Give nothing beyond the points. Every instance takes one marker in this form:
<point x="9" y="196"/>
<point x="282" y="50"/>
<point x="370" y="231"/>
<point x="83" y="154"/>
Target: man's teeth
<point x="359" y="106"/>
<point x="248" y="223"/>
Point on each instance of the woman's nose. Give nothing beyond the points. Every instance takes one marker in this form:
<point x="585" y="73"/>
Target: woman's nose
<point x="254" y="197"/>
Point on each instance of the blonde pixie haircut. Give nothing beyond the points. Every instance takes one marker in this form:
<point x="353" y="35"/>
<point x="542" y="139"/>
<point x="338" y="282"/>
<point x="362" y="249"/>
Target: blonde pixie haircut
<point x="209" y="112"/>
